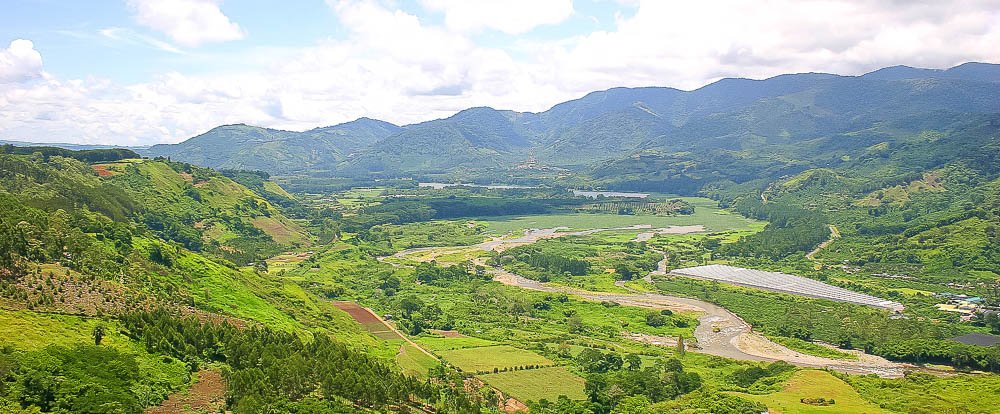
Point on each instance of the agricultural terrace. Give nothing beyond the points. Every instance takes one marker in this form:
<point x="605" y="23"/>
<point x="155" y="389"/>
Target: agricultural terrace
<point x="368" y="320"/>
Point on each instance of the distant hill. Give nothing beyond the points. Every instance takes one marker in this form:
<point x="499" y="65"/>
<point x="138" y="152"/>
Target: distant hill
<point x="254" y="148"/>
<point x="773" y="126"/>
<point x="74" y="147"/>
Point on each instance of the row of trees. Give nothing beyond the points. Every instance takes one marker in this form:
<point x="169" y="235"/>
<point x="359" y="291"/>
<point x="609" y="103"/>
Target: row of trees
<point x="791" y="229"/>
<point x="271" y="371"/>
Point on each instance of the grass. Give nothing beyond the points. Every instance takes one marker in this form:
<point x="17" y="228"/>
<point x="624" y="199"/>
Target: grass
<point x="707" y="213"/>
<point x="32" y="330"/>
<point x="229" y="291"/>
<point x="810" y="348"/>
<point x="449" y="344"/>
<point x="275" y="188"/>
<point x="281" y="229"/>
<point x="816" y="384"/>
<point x="922" y="393"/>
<point x="435" y="233"/>
<point x="485" y="359"/>
<point x="536" y="384"/>
<point x="413" y="362"/>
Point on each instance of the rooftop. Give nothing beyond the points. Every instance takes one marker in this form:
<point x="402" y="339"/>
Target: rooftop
<point x="977" y="339"/>
<point x="784" y="283"/>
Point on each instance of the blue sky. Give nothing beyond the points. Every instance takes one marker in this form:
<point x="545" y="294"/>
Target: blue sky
<point x="139" y="72"/>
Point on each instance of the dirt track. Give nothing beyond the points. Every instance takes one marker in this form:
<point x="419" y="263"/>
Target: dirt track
<point x="207" y="394"/>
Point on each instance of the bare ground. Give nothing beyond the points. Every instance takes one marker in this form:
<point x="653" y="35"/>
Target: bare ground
<point x="206" y="395"/>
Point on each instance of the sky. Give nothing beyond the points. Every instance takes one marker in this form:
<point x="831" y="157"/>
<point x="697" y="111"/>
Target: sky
<point x="142" y="72"/>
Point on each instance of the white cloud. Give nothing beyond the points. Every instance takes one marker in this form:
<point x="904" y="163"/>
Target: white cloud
<point x="508" y="16"/>
<point x="130" y="36"/>
<point x="188" y="22"/>
<point x="20" y="62"/>
<point x="687" y="44"/>
<point x="395" y="66"/>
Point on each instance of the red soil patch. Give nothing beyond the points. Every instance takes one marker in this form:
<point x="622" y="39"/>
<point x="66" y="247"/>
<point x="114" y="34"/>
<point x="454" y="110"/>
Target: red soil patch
<point x="367" y="319"/>
<point x="207" y="395"/>
<point x="187" y="177"/>
<point x="103" y="171"/>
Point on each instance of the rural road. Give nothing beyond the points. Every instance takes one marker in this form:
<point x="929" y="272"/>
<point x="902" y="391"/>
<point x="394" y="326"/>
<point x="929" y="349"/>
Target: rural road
<point x="834" y="235"/>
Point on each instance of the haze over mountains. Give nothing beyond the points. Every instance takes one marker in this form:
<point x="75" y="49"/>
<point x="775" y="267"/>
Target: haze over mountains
<point x="781" y="124"/>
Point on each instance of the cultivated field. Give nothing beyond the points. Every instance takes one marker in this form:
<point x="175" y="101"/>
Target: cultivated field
<point x="452" y="343"/>
<point x="485" y="359"/>
<point x="368" y="320"/>
<point x="812" y="384"/>
<point x="413" y="361"/>
<point x="536" y="384"/>
<point x="706" y="213"/>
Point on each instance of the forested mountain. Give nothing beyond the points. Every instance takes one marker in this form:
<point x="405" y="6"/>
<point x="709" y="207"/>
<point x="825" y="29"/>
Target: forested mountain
<point x="751" y="123"/>
<point x="247" y="147"/>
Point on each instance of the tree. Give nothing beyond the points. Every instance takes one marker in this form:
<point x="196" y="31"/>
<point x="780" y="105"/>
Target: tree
<point x="575" y="324"/>
<point x="98" y="334"/>
<point x="260" y="266"/>
<point x="634" y="362"/>
<point x="655" y="319"/>
<point x="680" y="345"/>
<point x="410" y="304"/>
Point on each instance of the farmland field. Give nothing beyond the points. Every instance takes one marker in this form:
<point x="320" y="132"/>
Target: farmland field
<point x="706" y="214"/>
<point x="485" y="359"/>
<point x="536" y="384"/>
<point x="367" y="320"/>
<point x="448" y="344"/>
<point x="816" y="384"/>
<point x="413" y="362"/>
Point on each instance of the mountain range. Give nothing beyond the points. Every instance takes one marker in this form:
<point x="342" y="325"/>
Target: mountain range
<point x="781" y="123"/>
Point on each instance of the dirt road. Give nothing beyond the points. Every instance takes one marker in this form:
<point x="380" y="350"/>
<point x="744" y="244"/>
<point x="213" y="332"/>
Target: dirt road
<point x="834" y="235"/>
<point x="206" y="395"/>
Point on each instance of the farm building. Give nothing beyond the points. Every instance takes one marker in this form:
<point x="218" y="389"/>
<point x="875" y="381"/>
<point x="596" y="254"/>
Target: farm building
<point x="784" y="283"/>
<point x="977" y="339"/>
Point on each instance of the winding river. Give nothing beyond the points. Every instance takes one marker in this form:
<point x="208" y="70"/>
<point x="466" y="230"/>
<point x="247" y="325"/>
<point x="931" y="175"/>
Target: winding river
<point x="719" y="332"/>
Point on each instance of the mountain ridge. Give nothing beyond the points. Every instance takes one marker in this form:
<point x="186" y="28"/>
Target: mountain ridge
<point x="731" y="113"/>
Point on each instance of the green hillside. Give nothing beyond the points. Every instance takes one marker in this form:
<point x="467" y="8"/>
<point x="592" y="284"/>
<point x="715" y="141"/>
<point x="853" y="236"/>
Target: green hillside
<point x="117" y="285"/>
<point x="338" y="284"/>
<point x="244" y="147"/>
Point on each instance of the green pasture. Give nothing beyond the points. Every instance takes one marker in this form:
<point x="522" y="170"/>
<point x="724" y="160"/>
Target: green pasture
<point x="485" y="359"/>
<point x="813" y="384"/>
<point x="435" y="344"/>
<point x="535" y="384"/>
<point x="706" y="213"/>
